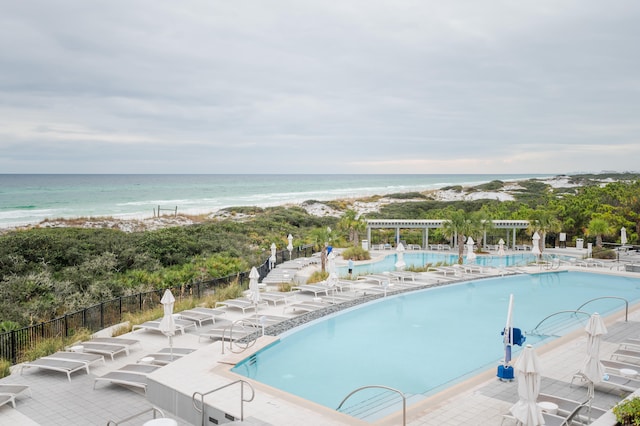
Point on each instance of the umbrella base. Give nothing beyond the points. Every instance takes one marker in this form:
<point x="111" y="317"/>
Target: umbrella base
<point x="505" y="372"/>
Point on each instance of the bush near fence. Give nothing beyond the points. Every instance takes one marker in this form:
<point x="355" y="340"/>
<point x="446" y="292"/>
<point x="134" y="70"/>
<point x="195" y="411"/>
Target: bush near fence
<point x="97" y="317"/>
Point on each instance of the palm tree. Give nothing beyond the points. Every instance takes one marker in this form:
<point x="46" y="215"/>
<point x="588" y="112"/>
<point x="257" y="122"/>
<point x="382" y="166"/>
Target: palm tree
<point x="460" y="224"/>
<point x="544" y="221"/>
<point x="598" y="227"/>
<point x="485" y="224"/>
<point x="353" y="224"/>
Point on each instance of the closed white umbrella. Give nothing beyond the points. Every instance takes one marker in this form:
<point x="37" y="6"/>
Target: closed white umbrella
<point x="471" y="255"/>
<point x="527" y="369"/>
<point x="623" y="236"/>
<point x="592" y="368"/>
<point x="501" y="247"/>
<point x="535" y="242"/>
<point x="167" y="324"/>
<point x="400" y="263"/>
<point x="332" y="281"/>
<point x="254" y="289"/>
<point x="290" y="245"/>
<point x="272" y="258"/>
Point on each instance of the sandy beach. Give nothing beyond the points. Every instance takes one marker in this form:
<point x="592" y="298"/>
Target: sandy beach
<point x="362" y="206"/>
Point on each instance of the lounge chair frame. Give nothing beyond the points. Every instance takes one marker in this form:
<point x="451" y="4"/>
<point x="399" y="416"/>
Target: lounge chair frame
<point x="64" y="366"/>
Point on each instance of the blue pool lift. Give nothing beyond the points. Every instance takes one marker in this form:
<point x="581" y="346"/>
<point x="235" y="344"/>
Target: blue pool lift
<point x="511" y="336"/>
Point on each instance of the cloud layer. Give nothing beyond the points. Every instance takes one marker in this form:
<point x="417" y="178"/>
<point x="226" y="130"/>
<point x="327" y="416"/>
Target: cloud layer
<point x="281" y="86"/>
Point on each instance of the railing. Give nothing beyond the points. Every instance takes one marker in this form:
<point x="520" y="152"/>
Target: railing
<point x="535" y="329"/>
<point x="243" y="343"/>
<point x="200" y="408"/>
<point x="626" y="303"/>
<point x="404" y="399"/>
<point x="153" y="410"/>
<point x="105" y="314"/>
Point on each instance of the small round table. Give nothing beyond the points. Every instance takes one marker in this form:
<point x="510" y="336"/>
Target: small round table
<point x="548" y="407"/>
<point x="77" y="348"/>
<point x="146" y="360"/>
<point x="629" y="372"/>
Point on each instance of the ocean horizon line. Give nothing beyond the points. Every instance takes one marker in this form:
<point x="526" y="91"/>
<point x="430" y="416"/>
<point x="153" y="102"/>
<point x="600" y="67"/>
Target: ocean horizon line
<point x="28" y="199"/>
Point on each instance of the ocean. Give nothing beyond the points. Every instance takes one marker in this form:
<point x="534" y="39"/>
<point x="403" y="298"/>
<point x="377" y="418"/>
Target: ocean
<point x="30" y="199"/>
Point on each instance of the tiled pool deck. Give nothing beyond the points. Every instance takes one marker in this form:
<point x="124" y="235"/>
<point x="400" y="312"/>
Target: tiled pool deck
<point x="479" y="401"/>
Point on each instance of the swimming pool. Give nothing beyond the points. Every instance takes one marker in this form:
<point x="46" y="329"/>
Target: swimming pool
<point x="421" y="259"/>
<point x="423" y="341"/>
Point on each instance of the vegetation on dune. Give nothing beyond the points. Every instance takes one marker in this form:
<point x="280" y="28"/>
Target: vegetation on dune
<point x="50" y="271"/>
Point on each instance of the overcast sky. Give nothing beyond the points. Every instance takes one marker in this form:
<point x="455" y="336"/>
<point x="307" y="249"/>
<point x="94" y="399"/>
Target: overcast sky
<point x="367" y="86"/>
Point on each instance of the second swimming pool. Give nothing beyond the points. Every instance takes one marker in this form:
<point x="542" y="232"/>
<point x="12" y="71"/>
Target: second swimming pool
<point x="424" y="341"/>
<point x="421" y="259"/>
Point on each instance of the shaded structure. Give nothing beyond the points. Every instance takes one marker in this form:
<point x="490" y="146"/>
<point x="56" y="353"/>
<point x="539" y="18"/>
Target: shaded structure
<point x="510" y="226"/>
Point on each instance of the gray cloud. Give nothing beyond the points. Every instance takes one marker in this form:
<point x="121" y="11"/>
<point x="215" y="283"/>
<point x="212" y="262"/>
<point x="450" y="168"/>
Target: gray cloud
<point x="285" y="86"/>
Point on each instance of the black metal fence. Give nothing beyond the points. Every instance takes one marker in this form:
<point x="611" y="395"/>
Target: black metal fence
<point x="105" y="314"/>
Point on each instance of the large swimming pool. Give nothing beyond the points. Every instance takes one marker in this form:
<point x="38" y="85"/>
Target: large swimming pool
<point x="421" y="259"/>
<point x="423" y="341"/>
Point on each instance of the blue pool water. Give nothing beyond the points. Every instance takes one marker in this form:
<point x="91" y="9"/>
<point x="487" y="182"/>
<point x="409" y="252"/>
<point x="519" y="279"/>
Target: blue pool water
<point x="423" y="341"/>
<point x="421" y="259"/>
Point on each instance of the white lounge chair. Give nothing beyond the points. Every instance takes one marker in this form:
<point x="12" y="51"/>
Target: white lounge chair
<point x="626" y="353"/>
<point x="305" y="306"/>
<point x="121" y="377"/>
<point x="230" y="332"/>
<point x="615" y="381"/>
<point x="197" y="316"/>
<point x="55" y="364"/>
<point x="312" y="288"/>
<point x="139" y="368"/>
<point x="104" y="349"/>
<point x="120" y="341"/>
<point x="276" y="296"/>
<point x="9" y="392"/>
<point x="567" y="406"/>
<point x="88" y="358"/>
<point x="181" y="325"/>
<point x="243" y="304"/>
<point x="265" y="320"/>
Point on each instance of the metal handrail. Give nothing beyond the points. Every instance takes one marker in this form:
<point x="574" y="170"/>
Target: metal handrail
<point x="626" y="302"/>
<point x="155" y="411"/>
<point x="249" y="343"/>
<point x="558" y="313"/>
<point x="200" y="409"/>
<point x="404" y="399"/>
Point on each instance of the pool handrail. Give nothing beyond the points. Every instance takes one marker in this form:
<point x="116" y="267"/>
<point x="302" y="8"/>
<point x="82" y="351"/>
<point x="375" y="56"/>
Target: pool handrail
<point x="626" y="302"/>
<point x="533" y="331"/>
<point x="404" y="399"/>
<point x="248" y="340"/>
<point x="200" y="409"/>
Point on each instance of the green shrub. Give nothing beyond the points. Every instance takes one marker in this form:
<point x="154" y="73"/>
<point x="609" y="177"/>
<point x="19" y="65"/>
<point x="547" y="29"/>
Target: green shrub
<point x="5" y="369"/>
<point x="356" y="253"/>
<point x="627" y="412"/>
<point x="317" y="277"/>
<point x="603" y="253"/>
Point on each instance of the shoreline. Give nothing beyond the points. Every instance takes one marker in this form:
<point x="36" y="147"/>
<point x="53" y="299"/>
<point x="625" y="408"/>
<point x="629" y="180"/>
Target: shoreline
<point x="362" y="205"/>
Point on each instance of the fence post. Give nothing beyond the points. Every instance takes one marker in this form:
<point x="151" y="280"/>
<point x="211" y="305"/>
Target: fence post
<point x="66" y="325"/>
<point x="14" y="346"/>
<point x="101" y="315"/>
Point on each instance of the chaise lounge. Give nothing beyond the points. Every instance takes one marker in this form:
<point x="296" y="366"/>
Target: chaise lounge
<point x="54" y="364"/>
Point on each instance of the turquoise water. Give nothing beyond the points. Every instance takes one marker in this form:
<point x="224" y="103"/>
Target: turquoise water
<point x="424" y="341"/>
<point x="28" y="199"/>
<point x="424" y="258"/>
